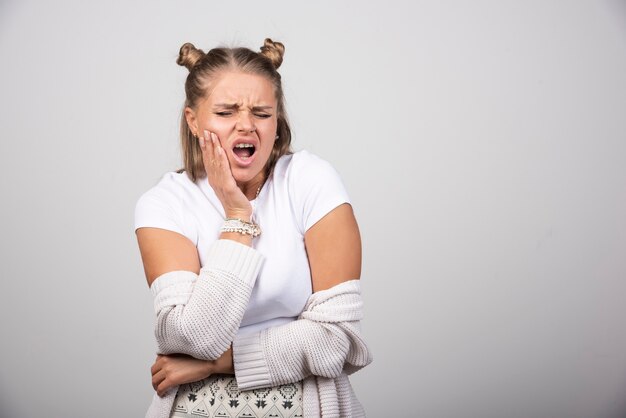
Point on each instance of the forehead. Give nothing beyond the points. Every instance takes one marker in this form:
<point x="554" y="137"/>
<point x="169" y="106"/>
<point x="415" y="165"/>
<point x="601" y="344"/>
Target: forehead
<point x="241" y="88"/>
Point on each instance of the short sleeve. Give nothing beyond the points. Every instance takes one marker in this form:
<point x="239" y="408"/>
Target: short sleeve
<point x="316" y="188"/>
<point x="159" y="207"/>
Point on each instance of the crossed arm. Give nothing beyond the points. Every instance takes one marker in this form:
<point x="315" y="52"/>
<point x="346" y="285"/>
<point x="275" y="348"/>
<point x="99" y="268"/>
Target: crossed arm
<point x="334" y="253"/>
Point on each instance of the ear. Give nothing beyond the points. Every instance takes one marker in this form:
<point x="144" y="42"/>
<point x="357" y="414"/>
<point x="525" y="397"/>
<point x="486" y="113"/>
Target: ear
<point x="192" y="122"/>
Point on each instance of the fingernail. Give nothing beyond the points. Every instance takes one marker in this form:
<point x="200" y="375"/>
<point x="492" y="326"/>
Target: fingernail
<point x="206" y="134"/>
<point x="201" y="139"/>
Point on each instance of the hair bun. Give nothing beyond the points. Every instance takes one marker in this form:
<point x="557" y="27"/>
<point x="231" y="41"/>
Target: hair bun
<point x="274" y="51"/>
<point x="189" y="55"/>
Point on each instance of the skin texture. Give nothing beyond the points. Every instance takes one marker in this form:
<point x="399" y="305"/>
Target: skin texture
<point x="333" y="244"/>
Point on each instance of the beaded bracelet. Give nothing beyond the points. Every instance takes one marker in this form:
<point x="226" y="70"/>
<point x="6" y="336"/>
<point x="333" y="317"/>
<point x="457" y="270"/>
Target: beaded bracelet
<point x="241" y="226"/>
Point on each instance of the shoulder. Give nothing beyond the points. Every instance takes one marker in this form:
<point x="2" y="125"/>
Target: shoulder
<point x="161" y="205"/>
<point x="172" y="183"/>
<point x="308" y="160"/>
<point x="313" y="185"/>
<point x="169" y="190"/>
<point x="302" y="166"/>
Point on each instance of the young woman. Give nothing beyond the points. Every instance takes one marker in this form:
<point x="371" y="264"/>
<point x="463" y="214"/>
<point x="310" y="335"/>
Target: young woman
<point x="253" y="255"/>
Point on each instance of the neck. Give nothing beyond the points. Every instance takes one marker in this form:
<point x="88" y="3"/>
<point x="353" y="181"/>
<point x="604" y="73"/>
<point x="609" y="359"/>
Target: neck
<point x="250" y="188"/>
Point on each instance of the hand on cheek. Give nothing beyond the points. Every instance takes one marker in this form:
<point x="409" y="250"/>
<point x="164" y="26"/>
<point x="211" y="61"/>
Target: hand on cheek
<point x="220" y="178"/>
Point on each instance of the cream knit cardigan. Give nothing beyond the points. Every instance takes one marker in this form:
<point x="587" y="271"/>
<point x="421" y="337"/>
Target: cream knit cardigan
<point x="200" y="314"/>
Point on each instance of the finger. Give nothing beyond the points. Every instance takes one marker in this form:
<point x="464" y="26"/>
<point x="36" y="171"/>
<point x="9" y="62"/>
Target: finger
<point x="225" y="169"/>
<point x="208" y="142"/>
<point x="206" y="146"/>
<point x="163" y="387"/>
<point x="208" y="155"/>
<point x="220" y="165"/>
<point x="158" y="378"/>
<point x="202" y="143"/>
<point x="158" y="365"/>
<point x="217" y="150"/>
<point x="220" y="156"/>
<point x="216" y="139"/>
<point x="213" y="147"/>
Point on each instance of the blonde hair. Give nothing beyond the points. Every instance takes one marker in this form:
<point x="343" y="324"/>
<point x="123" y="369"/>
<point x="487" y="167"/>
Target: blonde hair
<point x="204" y="68"/>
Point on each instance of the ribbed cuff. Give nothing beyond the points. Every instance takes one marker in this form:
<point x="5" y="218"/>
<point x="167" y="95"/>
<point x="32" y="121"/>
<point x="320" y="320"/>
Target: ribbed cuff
<point x="234" y="258"/>
<point x="172" y="288"/>
<point x="251" y="370"/>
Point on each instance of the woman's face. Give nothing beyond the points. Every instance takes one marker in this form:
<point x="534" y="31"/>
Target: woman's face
<point x="241" y="111"/>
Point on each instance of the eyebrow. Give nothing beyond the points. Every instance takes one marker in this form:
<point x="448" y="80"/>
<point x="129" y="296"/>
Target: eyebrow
<point x="236" y="106"/>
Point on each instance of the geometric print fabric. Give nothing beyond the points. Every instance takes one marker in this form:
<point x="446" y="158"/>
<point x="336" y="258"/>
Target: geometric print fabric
<point x="219" y="397"/>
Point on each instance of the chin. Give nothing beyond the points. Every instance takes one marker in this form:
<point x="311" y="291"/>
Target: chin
<point x="244" y="175"/>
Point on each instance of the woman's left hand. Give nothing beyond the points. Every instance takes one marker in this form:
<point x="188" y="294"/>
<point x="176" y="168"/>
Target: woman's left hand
<point x="177" y="369"/>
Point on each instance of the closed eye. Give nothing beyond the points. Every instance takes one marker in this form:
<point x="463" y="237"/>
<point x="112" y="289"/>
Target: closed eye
<point x="262" y="115"/>
<point x="224" y="113"/>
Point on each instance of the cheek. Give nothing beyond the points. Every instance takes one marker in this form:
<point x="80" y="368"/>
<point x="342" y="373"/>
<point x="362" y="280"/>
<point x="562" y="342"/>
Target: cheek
<point x="268" y="146"/>
<point x="269" y="133"/>
<point x="220" y="125"/>
<point x="270" y="139"/>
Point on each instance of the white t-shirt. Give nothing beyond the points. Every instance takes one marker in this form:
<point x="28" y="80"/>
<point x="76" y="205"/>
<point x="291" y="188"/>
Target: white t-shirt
<point x="302" y="189"/>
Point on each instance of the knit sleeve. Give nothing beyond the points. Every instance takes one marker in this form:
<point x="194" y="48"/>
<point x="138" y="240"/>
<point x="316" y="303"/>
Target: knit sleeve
<point x="200" y="314"/>
<point x="325" y="340"/>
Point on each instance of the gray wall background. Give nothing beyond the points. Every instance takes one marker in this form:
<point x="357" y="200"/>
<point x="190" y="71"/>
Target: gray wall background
<point x="483" y="144"/>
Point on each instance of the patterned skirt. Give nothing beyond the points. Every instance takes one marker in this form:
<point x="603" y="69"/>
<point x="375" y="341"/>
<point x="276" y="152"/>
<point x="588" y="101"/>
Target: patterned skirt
<point x="219" y="396"/>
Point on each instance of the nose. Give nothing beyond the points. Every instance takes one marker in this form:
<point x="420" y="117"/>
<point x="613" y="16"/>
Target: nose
<point x="245" y="122"/>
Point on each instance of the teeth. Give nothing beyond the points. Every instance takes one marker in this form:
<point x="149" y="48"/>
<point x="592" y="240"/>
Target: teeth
<point x="244" y="146"/>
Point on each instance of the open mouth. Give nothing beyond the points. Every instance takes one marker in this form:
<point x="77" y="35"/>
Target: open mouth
<point x="244" y="151"/>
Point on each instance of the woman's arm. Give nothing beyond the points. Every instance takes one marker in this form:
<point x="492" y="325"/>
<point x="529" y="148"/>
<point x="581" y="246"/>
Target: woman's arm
<point x="169" y="256"/>
<point x="333" y="247"/>
<point x="176" y="369"/>
<point x="199" y="310"/>
<point x="197" y="314"/>
<point x="326" y="339"/>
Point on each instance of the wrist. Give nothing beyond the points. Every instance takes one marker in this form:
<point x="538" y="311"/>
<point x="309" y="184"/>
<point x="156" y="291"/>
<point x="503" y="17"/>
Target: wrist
<point x="224" y="364"/>
<point x="244" y="216"/>
<point x="242" y="227"/>
<point x="237" y="237"/>
<point x="209" y="367"/>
